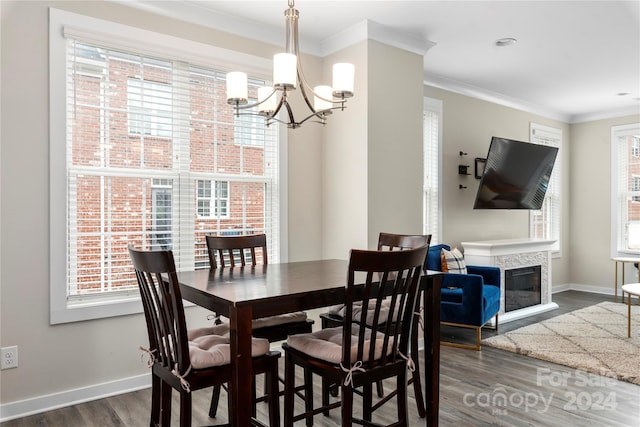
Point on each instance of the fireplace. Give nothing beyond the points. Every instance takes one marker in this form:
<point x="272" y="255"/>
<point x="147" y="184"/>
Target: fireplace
<point x="525" y="273"/>
<point x="522" y="287"/>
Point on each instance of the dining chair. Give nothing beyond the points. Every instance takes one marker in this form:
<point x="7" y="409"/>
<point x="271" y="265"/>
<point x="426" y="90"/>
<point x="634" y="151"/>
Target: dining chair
<point x="232" y="251"/>
<point x="353" y="354"/>
<point x="184" y="360"/>
<point x="241" y="251"/>
<point x="335" y="317"/>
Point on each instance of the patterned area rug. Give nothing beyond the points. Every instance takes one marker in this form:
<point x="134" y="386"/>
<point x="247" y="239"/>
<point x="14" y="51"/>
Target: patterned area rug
<point x="593" y="339"/>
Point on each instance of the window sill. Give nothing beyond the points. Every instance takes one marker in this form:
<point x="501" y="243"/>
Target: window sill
<point x="97" y="309"/>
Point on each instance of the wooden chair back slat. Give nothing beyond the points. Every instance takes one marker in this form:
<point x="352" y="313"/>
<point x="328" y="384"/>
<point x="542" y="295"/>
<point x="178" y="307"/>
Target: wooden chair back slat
<point x="398" y="270"/>
<point x="163" y="309"/>
<point x="223" y="249"/>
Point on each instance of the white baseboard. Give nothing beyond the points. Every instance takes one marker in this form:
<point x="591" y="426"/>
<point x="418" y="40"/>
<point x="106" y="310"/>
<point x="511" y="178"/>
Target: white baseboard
<point x="585" y="288"/>
<point x="36" y="405"/>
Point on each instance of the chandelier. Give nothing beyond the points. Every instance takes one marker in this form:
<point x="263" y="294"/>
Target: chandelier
<point x="287" y="76"/>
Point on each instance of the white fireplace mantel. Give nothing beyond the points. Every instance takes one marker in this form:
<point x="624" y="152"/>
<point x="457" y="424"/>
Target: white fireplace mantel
<point x="489" y="248"/>
<point x="515" y="253"/>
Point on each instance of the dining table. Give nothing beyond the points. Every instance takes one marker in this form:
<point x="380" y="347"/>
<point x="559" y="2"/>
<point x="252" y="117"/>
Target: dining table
<point x="245" y="293"/>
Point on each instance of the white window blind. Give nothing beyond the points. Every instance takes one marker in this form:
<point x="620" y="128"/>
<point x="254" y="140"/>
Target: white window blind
<point x="546" y="223"/>
<point x="432" y="137"/>
<point x="625" y="191"/>
<point x="142" y="132"/>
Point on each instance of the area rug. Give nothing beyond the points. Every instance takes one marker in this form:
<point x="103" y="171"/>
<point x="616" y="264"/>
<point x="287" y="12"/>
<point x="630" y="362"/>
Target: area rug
<point x="593" y="339"/>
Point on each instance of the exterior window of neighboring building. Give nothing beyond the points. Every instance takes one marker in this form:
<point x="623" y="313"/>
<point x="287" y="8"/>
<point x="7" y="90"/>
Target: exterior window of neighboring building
<point x="249" y="129"/>
<point x="432" y="140"/>
<point x="146" y="152"/>
<point x="635" y="188"/>
<point x="635" y="147"/>
<point x="625" y="190"/>
<point x="150" y="108"/>
<point x="546" y="223"/>
<point x="213" y="199"/>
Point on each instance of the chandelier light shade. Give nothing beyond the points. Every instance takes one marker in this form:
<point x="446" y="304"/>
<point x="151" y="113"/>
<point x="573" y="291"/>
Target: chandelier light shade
<point x="288" y="76"/>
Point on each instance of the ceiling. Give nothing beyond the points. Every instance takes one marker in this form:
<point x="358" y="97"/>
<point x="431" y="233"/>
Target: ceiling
<point x="573" y="60"/>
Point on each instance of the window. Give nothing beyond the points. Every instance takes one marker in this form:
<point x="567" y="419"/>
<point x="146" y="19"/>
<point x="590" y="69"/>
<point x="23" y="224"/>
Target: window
<point x="249" y="128"/>
<point x="625" y="190"/>
<point x="146" y="154"/>
<point x="635" y="188"/>
<point x="635" y="147"/>
<point x="432" y="140"/>
<point x="149" y="106"/>
<point x="546" y="222"/>
<point x="218" y="199"/>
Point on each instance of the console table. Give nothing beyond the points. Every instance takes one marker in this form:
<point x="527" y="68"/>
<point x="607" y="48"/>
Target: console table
<point x="623" y="261"/>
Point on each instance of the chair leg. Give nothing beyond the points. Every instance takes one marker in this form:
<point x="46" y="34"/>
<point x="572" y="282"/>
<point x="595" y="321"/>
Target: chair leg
<point x="289" y="381"/>
<point x="367" y="401"/>
<point x="347" y="405"/>
<point x="308" y="396"/>
<point x="185" y="409"/>
<point x="417" y="382"/>
<point x="156" y="386"/>
<point x="254" y="393"/>
<point x="215" y="398"/>
<point x="273" y="394"/>
<point x="165" y="405"/>
<point x="326" y="390"/>
<point x="403" y="407"/>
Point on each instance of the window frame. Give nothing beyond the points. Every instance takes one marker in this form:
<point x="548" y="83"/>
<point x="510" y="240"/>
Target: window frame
<point x="619" y="224"/>
<point x="118" y="36"/>
<point x="555" y="210"/>
<point x="432" y="224"/>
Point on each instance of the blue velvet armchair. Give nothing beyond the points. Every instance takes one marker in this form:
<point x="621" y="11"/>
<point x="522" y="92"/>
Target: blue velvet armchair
<point x="468" y="300"/>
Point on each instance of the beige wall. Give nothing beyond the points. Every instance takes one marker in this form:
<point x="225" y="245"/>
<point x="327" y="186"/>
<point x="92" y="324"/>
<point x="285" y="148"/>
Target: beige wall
<point x="468" y="125"/>
<point x="395" y="107"/>
<point x="373" y="152"/>
<point x="590" y="226"/>
<point x="344" y="167"/>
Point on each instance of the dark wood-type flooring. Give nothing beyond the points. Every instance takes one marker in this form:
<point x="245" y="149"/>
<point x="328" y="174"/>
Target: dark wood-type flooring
<point x="487" y="388"/>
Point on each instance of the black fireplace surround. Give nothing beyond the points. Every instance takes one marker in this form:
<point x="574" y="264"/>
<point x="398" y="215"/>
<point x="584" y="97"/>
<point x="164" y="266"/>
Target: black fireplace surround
<point x="522" y="287"/>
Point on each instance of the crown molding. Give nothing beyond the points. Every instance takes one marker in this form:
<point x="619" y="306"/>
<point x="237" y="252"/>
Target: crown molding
<point x="602" y="115"/>
<point x="371" y="30"/>
<point x="493" y="97"/>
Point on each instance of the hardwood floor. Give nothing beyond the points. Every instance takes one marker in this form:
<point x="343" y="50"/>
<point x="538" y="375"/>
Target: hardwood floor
<point x="473" y="386"/>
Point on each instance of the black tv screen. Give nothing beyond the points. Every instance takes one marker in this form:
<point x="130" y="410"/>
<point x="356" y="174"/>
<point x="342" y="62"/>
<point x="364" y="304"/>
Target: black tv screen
<point x="516" y="175"/>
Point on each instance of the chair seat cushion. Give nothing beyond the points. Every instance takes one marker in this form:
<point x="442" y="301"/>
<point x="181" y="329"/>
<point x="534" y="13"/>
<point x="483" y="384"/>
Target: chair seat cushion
<point x="326" y="344"/>
<point x="211" y="347"/>
<point x="340" y="310"/>
<point x="263" y="322"/>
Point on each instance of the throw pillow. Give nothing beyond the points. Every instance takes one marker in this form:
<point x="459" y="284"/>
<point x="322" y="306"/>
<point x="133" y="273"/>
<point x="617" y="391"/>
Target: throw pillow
<point x="453" y="261"/>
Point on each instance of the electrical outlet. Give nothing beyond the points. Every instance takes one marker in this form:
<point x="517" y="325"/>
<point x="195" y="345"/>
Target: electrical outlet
<point x="9" y="357"/>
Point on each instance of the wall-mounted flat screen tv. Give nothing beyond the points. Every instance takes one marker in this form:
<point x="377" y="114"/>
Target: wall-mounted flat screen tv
<point x="516" y="175"/>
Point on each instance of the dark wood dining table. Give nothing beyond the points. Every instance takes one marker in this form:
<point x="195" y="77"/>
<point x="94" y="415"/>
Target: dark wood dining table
<point x="246" y="293"/>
